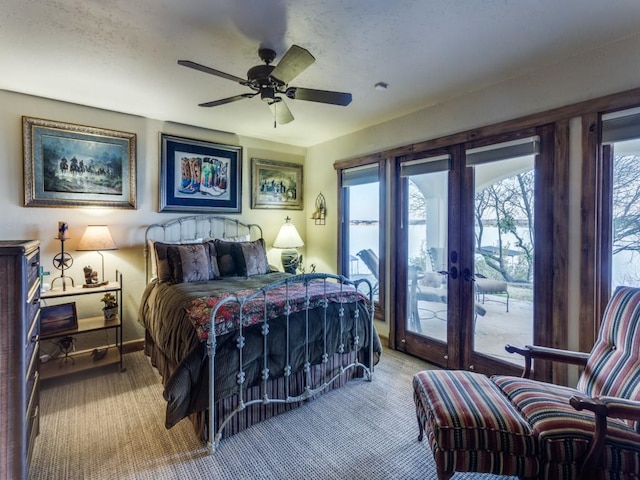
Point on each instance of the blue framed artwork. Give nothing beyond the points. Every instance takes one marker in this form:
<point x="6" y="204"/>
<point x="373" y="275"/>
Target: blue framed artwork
<point x="68" y="165"/>
<point x="199" y="176"/>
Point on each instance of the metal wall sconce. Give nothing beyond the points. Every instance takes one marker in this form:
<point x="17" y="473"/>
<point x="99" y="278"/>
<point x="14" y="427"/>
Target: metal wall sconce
<point x="320" y="213"/>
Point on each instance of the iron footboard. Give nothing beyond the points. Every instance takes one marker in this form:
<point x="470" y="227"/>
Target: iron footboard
<point x="319" y="290"/>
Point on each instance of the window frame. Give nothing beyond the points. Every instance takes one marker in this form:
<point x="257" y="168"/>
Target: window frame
<point x="343" y="229"/>
<point x="591" y="294"/>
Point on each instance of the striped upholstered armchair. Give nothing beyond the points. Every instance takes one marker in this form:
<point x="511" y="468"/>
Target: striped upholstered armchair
<point x="551" y="432"/>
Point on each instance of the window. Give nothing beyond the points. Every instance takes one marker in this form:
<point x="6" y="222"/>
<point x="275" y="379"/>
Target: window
<point x="621" y="163"/>
<point x="362" y="227"/>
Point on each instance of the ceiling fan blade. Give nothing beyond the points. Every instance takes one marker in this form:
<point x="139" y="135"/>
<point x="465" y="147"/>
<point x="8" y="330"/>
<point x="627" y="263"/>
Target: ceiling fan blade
<point x="281" y="112"/>
<point x="235" y="98"/>
<point x="211" y="71"/>
<point x="294" y="62"/>
<point x="321" y="96"/>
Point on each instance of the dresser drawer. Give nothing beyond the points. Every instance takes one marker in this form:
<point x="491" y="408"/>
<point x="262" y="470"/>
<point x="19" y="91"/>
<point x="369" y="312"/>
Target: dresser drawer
<point x="32" y="329"/>
<point x="32" y="417"/>
<point x="34" y="430"/>
<point x="32" y="357"/>
<point x="32" y="311"/>
<point x="33" y="269"/>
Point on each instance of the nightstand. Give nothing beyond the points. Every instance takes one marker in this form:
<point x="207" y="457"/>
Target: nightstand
<point x="72" y="362"/>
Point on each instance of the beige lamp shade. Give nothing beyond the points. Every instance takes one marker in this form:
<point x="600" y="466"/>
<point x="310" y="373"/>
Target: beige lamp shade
<point x="288" y="236"/>
<point x="289" y="239"/>
<point x="95" y="239"/>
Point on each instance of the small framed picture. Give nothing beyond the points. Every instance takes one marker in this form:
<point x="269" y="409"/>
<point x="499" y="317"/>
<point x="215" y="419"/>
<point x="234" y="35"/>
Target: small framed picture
<point x="58" y="318"/>
<point x="276" y="184"/>
<point x="199" y="176"/>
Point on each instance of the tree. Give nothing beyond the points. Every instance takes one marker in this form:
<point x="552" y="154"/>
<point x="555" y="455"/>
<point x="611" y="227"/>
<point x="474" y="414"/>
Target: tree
<point x="508" y="204"/>
<point x="626" y="204"/>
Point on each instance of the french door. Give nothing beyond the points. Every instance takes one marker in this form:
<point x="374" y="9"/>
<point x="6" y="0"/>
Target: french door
<point x="469" y="232"/>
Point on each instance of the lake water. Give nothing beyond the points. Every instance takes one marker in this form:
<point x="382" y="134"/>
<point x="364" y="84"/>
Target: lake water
<point x="365" y="235"/>
<point x="625" y="265"/>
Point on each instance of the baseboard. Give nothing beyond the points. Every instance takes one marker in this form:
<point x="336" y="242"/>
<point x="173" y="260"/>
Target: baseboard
<point x="133" y="346"/>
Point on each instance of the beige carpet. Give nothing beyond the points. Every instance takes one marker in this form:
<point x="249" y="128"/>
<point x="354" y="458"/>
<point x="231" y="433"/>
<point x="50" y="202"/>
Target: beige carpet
<point x="110" y="425"/>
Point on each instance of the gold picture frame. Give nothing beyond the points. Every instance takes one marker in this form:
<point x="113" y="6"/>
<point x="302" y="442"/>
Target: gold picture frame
<point x="69" y="165"/>
<point x="276" y="185"/>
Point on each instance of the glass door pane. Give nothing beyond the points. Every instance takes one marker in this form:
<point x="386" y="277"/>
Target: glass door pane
<point x="503" y="256"/>
<point x="427" y="207"/>
<point x="364" y="233"/>
<point x="625" y="239"/>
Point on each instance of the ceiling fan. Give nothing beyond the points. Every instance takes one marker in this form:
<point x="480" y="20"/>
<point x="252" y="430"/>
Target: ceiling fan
<point x="270" y="81"/>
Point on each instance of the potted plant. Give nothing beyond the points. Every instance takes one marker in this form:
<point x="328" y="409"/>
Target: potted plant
<point x="110" y="308"/>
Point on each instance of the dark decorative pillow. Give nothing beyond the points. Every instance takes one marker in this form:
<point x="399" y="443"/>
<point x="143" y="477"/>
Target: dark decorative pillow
<point x="160" y="266"/>
<point x="250" y="258"/>
<point x="226" y="262"/>
<point x="213" y="260"/>
<point x="190" y="263"/>
<point x="164" y="271"/>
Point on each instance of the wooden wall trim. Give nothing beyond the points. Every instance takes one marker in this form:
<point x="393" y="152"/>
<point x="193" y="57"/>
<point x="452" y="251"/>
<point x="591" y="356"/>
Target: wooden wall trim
<point x="588" y="232"/>
<point x="560" y="257"/>
<point x="592" y="294"/>
<point x="615" y="101"/>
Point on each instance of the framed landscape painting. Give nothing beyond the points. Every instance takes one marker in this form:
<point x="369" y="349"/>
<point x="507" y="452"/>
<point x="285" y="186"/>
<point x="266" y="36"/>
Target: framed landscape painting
<point x="68" y="165"/>
<point x="58" y="318"/>
<point x="199" y="176"/>
<point x="276" y="184"/>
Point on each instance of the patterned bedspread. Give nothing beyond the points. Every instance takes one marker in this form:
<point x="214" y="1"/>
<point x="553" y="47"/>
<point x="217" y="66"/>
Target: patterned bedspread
<point x="169" y="314"/>
<point x="277" y="301"/>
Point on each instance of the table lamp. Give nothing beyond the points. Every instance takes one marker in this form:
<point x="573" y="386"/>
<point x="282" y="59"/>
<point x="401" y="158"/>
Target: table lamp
<point x="289" y="239"/>
<point x="97" y="238"/>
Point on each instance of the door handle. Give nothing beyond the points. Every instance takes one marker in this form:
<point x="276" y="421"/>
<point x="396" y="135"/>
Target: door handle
<point x="453" y="273"/>
<point x="466" y="273"/>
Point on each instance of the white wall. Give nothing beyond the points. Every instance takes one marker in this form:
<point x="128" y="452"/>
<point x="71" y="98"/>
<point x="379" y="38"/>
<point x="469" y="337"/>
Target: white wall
<point x="599" y="72"/>
<point x="127" y="226"/>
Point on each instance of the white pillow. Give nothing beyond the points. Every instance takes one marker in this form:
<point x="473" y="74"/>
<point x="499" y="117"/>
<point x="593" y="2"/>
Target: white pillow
<point x="239" y="238"/>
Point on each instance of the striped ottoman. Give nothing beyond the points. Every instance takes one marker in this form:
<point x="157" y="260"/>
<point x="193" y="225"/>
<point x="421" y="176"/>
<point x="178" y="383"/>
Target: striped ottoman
<point x="471" y="426"/>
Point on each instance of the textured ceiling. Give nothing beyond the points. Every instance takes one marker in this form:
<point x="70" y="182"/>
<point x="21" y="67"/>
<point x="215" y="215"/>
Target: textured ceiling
<point x="121" y="55"/>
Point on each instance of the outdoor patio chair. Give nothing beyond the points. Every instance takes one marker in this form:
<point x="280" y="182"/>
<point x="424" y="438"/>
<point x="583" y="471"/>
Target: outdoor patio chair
<point x="518" y="426"/>
<point x="370" y="259"/>
<point x="487" y="286"/>
<point x="431" y="294"/>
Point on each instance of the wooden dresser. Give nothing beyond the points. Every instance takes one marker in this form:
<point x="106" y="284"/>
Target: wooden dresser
<point x="19" y="352"/>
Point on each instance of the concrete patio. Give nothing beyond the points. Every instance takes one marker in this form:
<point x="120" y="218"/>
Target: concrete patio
<point x="492" y="331"/>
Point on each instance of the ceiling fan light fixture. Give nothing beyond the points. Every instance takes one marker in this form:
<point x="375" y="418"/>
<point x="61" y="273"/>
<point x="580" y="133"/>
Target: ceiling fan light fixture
<point x="268" y="94"/>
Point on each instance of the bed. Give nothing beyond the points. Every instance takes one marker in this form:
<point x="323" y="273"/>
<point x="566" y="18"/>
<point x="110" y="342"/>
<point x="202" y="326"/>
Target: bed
<point x="237" y="343"/>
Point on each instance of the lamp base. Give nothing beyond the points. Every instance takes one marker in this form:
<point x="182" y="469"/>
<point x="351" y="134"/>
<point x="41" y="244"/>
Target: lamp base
<point x="290" y="261"/>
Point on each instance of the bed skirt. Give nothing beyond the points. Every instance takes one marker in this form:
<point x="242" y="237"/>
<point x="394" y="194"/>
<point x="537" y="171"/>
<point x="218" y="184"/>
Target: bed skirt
<point x="259" y="412"/>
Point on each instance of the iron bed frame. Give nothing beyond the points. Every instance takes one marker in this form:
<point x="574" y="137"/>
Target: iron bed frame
<point x="208" y="226"/>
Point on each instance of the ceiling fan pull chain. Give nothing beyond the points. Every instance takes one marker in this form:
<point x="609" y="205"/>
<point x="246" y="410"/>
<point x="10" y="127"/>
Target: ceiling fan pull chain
<point x="275" y="117"/>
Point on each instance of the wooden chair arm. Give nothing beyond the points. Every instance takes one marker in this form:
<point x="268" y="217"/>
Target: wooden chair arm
<point x="608" y="406"/>
<point x="602" y="407"/>
<point x="530" y="352"/>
